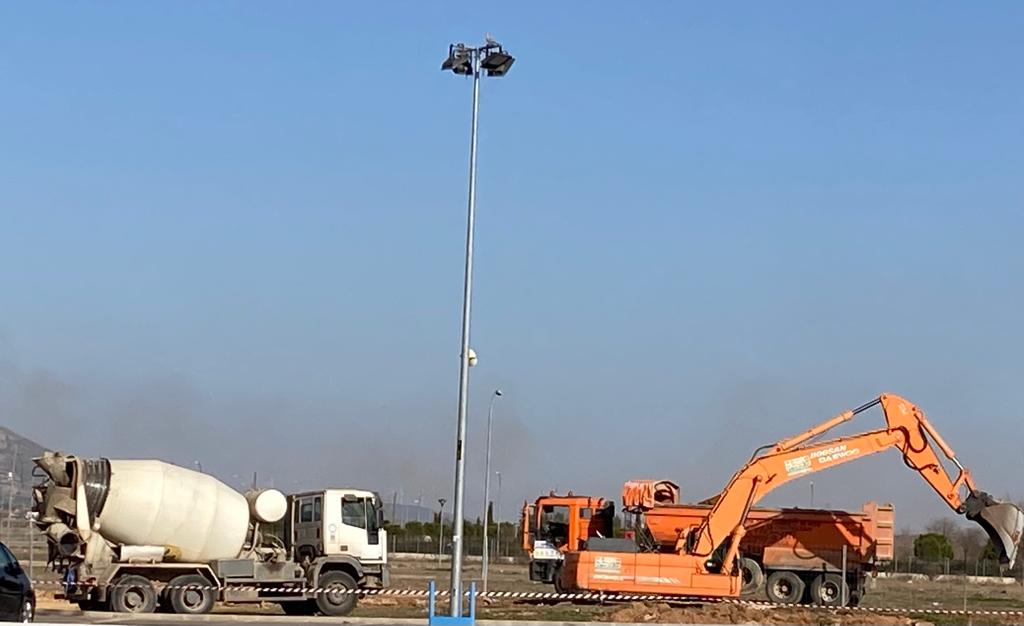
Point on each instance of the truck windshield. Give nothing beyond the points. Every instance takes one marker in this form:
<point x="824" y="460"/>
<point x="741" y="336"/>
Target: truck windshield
<point x="554" y="525"/>
<point x="361" y="512"/>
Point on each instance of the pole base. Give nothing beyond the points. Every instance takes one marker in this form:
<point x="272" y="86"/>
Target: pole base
<point x="433" y="619"/>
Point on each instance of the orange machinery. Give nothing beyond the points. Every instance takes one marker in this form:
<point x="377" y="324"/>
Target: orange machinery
<point x="786" y="548"/>
<point x="705" y="558"/>
<point x="797" y="543"/>
<point x="554" y="525"/>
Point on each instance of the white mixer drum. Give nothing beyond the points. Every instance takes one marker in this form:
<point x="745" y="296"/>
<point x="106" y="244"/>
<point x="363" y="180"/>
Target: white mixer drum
<point x="152" y="503"/>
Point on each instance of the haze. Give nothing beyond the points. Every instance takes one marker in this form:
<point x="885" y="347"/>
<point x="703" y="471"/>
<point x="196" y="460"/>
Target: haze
<point x="232" y="233"/>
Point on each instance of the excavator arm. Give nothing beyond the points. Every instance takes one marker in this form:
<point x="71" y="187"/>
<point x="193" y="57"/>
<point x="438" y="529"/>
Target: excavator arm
<point x="907" y="430"/>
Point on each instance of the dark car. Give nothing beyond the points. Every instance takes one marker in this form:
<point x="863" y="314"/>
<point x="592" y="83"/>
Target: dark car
<point x="17" y="600"/>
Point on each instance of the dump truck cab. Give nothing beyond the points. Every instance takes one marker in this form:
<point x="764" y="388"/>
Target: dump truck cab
<point x="554" y="524"/>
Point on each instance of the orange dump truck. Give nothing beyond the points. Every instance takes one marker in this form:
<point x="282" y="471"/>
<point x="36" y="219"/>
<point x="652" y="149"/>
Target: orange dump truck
<point x="788" y="547"/>
<point x="780" y="545"/>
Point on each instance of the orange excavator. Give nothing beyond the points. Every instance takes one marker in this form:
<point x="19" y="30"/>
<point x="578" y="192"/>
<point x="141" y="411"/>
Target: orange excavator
<point x="705" y="559"/>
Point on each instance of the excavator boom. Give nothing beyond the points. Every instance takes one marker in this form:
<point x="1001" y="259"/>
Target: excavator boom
<point x="907" y="429"/>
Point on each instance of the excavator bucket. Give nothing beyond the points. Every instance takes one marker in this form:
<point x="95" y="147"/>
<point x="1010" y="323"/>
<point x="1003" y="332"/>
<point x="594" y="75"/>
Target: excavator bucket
<point x="1002" y="521"/>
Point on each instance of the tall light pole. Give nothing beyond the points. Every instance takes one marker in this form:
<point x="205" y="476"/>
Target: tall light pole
<point x="487" y="488"/>
<point x="440" y="532"/>
<point x="468" y="61"/>
<point x="497" y="517"/>
<point x="10" y="502"/>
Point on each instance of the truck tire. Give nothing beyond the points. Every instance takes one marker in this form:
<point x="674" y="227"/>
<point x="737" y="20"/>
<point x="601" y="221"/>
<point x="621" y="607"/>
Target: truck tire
<point x="556" y="579"/>
<point x="784" y="587"/>
<point x="753" y="576"/>
<point x="132" y="594"/>
<point x="191" y="594"/>
<point x="828" y="590"/>
<point x="338" y="597"/>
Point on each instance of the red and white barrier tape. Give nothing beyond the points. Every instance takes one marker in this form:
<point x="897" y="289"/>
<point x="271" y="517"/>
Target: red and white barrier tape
<point x="552" y="595"/>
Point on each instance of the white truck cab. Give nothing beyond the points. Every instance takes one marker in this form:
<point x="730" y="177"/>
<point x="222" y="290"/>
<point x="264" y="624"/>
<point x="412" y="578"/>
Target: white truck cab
<point x="339" y="521"/>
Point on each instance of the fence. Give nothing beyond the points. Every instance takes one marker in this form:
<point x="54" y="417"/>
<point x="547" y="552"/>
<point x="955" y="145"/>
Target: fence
<point x="472" y="546"/>
<point x="948" y="567"/>
<point x="28" y="545"/>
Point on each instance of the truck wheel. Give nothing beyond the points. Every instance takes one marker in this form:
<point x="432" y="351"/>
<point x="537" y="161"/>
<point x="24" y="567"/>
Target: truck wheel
<point x="191" y="594"/>
<point x="338" y="597"/>
<point x="132" y="594"/>
<point x="556" y="579"/>
<point x="829" y="589"/>
<point x="784" y="587"/>
<point x="753" y="576"/>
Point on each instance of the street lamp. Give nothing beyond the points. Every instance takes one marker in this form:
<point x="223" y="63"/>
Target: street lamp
<point x="497" y="518"/>
<point x="440" y="532"/>
<point x="468" y="61"/>
<point x="487" y="487"/>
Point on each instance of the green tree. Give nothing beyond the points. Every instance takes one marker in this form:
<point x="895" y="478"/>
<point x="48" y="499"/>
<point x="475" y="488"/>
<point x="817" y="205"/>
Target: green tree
<point x="990" y="553"/>
<point x="933" y="547"/>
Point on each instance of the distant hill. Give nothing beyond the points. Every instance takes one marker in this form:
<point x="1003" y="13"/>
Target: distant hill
<point x="16" y="454"/>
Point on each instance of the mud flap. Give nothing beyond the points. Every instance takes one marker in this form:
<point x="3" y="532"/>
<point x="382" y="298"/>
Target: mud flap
<point x="1003" y="523"/>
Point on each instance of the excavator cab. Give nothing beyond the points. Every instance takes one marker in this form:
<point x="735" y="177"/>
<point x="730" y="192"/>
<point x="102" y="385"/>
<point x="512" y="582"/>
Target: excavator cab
<point x="1003" y="523"/>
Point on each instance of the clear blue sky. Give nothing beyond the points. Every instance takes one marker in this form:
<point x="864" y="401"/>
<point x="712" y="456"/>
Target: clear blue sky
<point x="232" y="232"/>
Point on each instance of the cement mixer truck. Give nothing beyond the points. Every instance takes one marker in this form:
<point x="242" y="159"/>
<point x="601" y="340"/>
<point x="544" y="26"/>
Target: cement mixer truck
<point x="132" y="536"/>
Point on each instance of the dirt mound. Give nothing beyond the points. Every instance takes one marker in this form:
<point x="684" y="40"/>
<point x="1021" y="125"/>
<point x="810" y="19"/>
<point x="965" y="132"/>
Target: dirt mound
<point x="653" y="613"/>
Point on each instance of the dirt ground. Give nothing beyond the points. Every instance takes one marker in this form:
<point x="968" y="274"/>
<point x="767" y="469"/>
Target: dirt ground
<point x="513" y="577"/>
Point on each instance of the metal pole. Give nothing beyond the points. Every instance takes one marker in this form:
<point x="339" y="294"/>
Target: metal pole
<point x="31" y="551"/>
<point x="497" y="518"/>
<point x="10" y="502"/>
<point x="485" y="551"/>
<point x="440" y="533"/>
<point x="842" y="588"/>
<point x="467" y="292"/>
<point x="812" y="494"/>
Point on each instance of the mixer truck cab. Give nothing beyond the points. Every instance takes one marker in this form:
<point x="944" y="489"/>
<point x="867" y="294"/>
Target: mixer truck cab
<point x="340" y="522"/>
<point x="132" y="535"/>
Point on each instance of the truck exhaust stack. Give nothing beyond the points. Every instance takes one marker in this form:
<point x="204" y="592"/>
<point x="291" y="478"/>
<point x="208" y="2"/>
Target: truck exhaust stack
<point x="1003" y="523"/>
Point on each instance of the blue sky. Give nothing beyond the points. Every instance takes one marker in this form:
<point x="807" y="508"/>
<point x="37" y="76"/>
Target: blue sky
<point x="232" y="232"/>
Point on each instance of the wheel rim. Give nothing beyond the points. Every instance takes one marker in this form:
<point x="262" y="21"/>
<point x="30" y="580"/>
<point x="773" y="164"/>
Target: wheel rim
<point x="192" y="598"/>
<point x="337" y="594"/>
<point x="830" y="591"/>
<point x="134" y="599"/>
<point x="27" y="611"/>
<point x="782" y="588"/>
